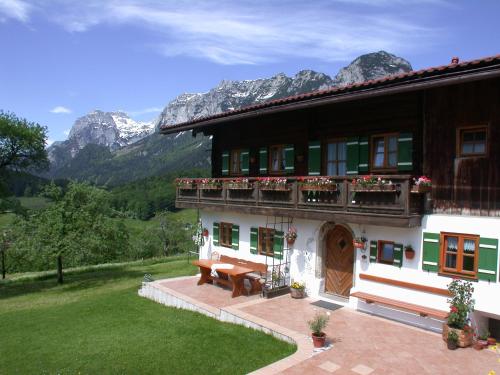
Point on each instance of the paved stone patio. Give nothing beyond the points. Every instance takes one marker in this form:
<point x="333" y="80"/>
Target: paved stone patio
<point x="362" y="344"/>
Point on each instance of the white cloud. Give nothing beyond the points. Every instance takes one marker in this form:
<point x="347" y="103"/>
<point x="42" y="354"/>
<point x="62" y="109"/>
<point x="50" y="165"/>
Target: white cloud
<point x="249" y="32"/>
<point x="15" y="9"/>
<point x="60" y="110"/>
<point x="144" y="111"/>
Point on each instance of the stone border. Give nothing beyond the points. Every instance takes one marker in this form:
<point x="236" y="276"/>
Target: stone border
<point x="233" y="314"/>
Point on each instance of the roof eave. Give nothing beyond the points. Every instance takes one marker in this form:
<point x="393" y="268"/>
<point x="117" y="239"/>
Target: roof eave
<point x="362" y="93"/>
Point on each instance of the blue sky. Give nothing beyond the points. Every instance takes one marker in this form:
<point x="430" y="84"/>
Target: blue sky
<point x="63" y="58"/>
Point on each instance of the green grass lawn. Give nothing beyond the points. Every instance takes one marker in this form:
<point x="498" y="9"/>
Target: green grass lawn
<point x="96" y="324"/>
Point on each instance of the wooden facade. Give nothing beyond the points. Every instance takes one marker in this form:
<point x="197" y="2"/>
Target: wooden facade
<point x="461" y="185"/>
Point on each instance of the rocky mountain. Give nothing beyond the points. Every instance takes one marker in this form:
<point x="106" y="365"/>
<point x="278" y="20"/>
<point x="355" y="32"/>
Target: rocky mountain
<point x="236" y="94"/>
<point x="126" y="144"/>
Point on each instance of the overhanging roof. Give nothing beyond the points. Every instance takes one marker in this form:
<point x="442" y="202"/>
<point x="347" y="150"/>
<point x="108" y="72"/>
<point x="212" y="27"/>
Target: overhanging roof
<point x="415" y="80"/>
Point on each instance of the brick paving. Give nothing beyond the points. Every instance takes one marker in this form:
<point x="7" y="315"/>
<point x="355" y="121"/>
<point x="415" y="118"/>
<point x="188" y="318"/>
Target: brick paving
<point x="362" y="344"/>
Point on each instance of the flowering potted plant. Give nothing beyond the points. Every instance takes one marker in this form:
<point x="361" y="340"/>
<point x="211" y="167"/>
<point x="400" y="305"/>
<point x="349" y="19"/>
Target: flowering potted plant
<point x="239" y="184"/>
<point x="185" y="183"/>
<point x="317" y="184"/>
<point x="359" y="242"/>
<point x="481" y="340"/>
<point x="421" y="185"/>
<point x="372" y="183"/>
<point x="409" y="252"/>
<point x="210" y="184"/>
<point x="461" y="304"/>
<point x="291" y="235"/>
<point x="273" y="184"/>
<point x="317" y="325"/>
<point x="205" y="232"/>
<point x="297" y="290"/>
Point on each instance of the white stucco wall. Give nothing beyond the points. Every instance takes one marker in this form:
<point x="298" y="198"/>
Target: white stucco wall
<point x="304" y="266"/>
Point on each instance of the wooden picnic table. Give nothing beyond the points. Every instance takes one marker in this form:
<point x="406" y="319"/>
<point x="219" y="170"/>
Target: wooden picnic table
<point x="235" y="275"/>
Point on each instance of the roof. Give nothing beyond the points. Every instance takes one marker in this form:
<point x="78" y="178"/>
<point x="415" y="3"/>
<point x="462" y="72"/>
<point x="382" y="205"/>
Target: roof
<point x="423" y="77"/>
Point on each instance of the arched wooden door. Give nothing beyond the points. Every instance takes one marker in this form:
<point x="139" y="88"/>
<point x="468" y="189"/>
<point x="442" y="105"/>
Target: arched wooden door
<point x="339" y="261"/>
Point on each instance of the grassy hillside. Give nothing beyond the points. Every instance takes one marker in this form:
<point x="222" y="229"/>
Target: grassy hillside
<point x="97" y="324"/>
<point x="152" y="156"/>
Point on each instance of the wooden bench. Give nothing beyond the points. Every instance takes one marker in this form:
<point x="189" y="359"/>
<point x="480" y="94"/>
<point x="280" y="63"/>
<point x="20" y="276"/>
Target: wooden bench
<point x="410" y="307"/>
<point x="405" y="284"/>
<point x="255" y="278"/>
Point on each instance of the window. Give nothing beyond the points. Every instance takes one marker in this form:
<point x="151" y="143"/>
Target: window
<point x="266" y="241"/>
<point x="225" y="230"/>
<point x="472" y="141"/>
<point x="235" y="162"/>
<point x="385" y="151"/>
<point x="277" y="159"/>
<point x="459" y="254"/>
<point x="336" y="155"/>
<point x="386" y="252"/>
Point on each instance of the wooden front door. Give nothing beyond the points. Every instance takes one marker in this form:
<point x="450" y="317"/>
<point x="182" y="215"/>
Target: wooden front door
<point x="339" y="261"/>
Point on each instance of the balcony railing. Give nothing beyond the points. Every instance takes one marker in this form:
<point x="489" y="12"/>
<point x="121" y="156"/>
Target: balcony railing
<point x="388" y="201"/>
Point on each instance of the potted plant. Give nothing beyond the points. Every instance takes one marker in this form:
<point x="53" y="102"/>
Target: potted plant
<point x="409" y="252"/>
<point x="359" y="242"/>
<point x="185" y="183"/>
<point x="421" y="185"/>
<point x="205" y="232"/>
<point x="291" y="236"/>
<point x="317" y="325"/>
<point x="210" y="184"/>
<point x="492" y="340"/>
<point x="297" y="290"/>
<point x="273" y="184"/>
<point x="452" y="341"/>
<point x="482" y="339"/>
<point x="461" y="304"/>
<point x="239" y="184"/>
<point x="372" y="183"/>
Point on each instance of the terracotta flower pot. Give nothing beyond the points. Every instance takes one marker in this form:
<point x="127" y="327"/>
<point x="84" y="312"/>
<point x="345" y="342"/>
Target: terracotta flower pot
<point x="319" y="341"/>
<point x="492" y="341"/>
<point x="297" y="293"/>
<point x="205" y="233"/>
<point x="359" y="245"/>
<point x="410" y="254"/>
<point x="290" y="242"/>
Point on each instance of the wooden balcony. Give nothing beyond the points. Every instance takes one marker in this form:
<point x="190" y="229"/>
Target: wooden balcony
<point x="340" y="201"/>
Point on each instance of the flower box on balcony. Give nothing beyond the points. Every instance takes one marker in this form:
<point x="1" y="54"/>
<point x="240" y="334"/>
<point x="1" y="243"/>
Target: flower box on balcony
<point x="240" y="184"/>
<point x="275" y="188"/>
<point x="318" y="188"/>
<point x="374" y="188"/>
<point x="209" y="187"/>
<point x="420" y="189"/>
<point x="187" y="187"/>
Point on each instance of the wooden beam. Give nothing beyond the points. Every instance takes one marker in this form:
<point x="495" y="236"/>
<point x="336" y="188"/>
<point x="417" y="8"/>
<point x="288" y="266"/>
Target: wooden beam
<point x="404" y="284"/>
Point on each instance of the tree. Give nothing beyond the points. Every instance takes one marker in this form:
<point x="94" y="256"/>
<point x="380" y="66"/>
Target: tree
<point x="76" y="227"/>
<point x="22" y="143"/>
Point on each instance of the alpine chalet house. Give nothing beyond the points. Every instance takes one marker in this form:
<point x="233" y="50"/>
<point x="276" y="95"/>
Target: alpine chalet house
<point x="342" y="169"/>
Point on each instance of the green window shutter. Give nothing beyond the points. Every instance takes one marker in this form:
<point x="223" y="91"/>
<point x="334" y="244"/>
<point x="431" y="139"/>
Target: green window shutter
<point x="314" y="158"/>
<point x="254" y="239"/>
<point x="215" y="235"/>
<point x="430" y="249"/>
<point x="235" y="237"/>
<point x="263" y="160"/>
<point x="373" y="251"/>
<point x="405" y="152"/>
<point x="488" y="259"/>
<point x="363" y="155"/>
<point x="352" y="155"/>
<point x="244" y="161"/>
<point x="278" y="244"/>
<point x="398" y="255"/>
<point x="225" y="163"/>
<point x="289" y="159"/>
